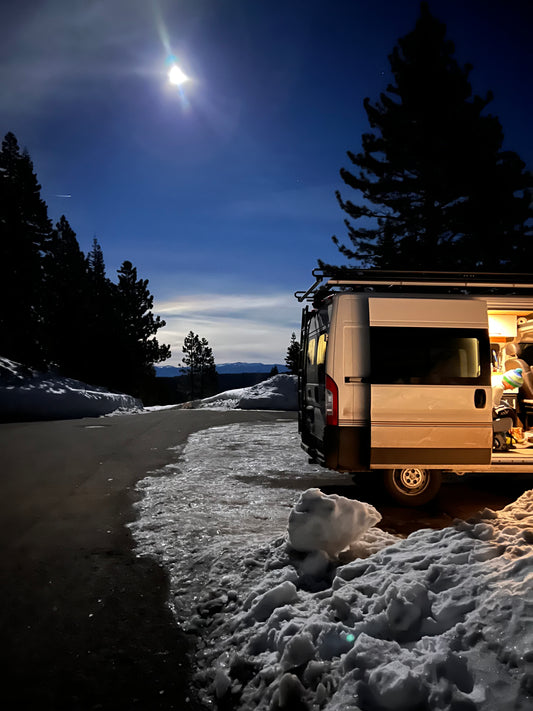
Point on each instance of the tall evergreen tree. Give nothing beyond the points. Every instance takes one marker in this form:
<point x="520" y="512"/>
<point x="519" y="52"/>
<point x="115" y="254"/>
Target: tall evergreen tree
<point x="292" y="359"/>
<point x="199" y="364"/>
<point x="66" y="303"/>
<point x="100" y="325"/>
<point x="138" y="349"/>
<point x="436" y="190"/>
<point x="25" y="233"/>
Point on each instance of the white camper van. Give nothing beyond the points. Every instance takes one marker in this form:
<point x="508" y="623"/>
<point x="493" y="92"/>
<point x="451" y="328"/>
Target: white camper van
<point x="397" y="373"/>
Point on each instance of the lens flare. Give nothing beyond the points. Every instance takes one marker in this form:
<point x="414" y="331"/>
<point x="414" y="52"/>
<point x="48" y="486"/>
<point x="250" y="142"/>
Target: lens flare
<point x="176" y="75"/>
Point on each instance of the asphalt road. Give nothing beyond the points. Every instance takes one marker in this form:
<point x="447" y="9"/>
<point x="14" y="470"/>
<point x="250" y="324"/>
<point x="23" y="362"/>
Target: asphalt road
<point x="84" y="623"/>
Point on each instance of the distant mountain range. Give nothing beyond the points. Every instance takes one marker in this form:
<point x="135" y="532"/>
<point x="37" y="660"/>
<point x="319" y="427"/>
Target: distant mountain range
<point x="171" y="371"/>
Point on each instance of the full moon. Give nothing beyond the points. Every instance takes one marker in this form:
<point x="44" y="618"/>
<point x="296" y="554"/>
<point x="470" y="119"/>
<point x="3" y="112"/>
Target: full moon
<point x="177" y="76"/>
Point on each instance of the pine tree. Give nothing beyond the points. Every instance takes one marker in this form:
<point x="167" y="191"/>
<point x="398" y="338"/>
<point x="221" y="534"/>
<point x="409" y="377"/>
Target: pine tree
<point x="66" y="303"/>
<point x="438" y="191"/>
<point x="136" y="326"/>
<point x="100" y="356"/>
<point x="199" y="365"/>
<point x="292" y="360"/>
<point x="25" y="232"/>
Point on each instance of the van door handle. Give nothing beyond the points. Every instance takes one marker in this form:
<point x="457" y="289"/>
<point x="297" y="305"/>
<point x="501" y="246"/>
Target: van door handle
<point x="480" y="399"/>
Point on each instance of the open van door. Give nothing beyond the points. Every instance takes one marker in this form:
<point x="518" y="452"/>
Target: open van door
<point x="430" y="394"/>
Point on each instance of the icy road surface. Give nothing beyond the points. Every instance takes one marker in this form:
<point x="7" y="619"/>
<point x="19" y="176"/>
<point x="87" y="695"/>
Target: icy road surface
<point x="213" y="500"/>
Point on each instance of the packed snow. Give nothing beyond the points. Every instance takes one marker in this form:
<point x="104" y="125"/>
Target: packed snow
<point x="300" y="601"/>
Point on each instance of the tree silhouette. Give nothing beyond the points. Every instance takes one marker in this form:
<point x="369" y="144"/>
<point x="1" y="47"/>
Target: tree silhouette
<point x="435" y="188"/>
<point x="25" y="232"/>
<point x="137" y="347"/>
<point x="199" y="364"/>
<point x="292" y="359"/>
<point x="65" y="299"/>
<point x="100" y="357"/>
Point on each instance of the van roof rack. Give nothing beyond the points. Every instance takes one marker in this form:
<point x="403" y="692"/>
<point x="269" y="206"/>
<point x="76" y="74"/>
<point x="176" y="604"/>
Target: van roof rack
<point x="346" y="278"/>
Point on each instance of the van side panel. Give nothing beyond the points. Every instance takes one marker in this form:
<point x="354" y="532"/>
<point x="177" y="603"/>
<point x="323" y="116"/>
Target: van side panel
<point x="431" y="401"/>
<point x="426" y="424"/>
<point x="423" y="312"/>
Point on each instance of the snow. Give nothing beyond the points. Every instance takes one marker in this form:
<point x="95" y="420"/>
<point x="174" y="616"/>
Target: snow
<point x="439" y="620"/>
<point x="28" y="394"/>
<point x="277" y="393"/>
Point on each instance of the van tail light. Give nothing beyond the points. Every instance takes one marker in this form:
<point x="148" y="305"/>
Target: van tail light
<point x="332" y="402"/>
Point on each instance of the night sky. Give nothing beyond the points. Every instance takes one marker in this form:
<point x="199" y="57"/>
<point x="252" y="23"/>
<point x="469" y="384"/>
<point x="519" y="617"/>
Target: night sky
<point x="222" y="191"/>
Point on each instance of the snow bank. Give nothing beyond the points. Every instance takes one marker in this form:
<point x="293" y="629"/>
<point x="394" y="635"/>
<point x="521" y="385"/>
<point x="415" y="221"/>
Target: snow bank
<point x="26" y="394"/>
<point x="277" y="393"/>
<point x="442" y="620"/>
<point x="439" y="621"/>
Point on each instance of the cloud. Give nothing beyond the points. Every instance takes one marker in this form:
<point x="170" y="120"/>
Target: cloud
<point x="301" y="203"/>
<point x="239" y="327"/>
<point x="55" y="49"/>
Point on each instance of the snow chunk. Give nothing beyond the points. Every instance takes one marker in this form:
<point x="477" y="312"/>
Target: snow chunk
<point x="265" y="604"/>
<point x="329" y="523"/>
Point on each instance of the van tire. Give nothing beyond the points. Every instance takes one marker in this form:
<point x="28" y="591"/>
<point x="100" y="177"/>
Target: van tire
<point x="412" y="486"/>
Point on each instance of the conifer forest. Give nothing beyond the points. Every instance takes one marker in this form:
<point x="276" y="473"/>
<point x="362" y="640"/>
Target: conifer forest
<point x="58" y="308"/>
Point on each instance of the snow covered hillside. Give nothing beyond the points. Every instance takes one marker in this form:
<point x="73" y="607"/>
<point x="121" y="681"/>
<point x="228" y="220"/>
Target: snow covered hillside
<point x="27" y="394"/>
<point x="277" y="393"/>
<point x="441" y="620"/>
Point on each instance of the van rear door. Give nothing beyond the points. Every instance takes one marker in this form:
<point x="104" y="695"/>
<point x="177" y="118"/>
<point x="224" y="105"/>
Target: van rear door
<point x="313" y="377"/>
<point x="430" y="394"/>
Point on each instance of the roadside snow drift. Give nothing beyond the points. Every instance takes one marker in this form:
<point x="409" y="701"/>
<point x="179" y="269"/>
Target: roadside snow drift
<point x="27" y="394"/>
<point x="277" y="393"/>
<point x="442" y="620"/>
<point x="439" y="621"/>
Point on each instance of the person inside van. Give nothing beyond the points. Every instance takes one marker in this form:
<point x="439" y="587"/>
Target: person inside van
<point x="510" y="380"/>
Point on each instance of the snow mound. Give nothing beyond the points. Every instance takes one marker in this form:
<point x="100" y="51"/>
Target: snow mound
<point x="277" y="393"/>
<point x="440" y="621"/>
<point x="329" y="523"/>
<point x="27" y="394"/>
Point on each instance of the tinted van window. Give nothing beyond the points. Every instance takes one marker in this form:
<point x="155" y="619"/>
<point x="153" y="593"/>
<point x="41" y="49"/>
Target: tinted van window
<point x="429" y="356"/>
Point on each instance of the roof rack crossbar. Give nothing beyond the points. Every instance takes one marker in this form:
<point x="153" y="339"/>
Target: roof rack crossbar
<point x="474" y="282"/>
<point x="303" y="295"/>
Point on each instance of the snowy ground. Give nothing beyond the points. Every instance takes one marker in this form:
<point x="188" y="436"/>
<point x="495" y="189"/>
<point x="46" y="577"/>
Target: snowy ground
<point x="439" y="620"/>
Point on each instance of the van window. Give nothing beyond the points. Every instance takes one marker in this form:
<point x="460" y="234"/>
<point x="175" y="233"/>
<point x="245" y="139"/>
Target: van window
<point x="321" y="350"/>
<point x="311" y="368"/>
<point x="429" y="356"/>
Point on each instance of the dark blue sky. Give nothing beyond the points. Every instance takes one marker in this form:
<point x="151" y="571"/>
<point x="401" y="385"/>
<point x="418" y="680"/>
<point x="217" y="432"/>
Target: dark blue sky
<point x="223" y="197"/>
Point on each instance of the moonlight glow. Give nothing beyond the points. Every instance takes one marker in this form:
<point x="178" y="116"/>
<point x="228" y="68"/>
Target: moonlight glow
<point x="177" y="76"/>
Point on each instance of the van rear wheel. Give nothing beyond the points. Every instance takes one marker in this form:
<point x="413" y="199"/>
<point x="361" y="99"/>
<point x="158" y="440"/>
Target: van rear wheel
<point x="412" y="486"/>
